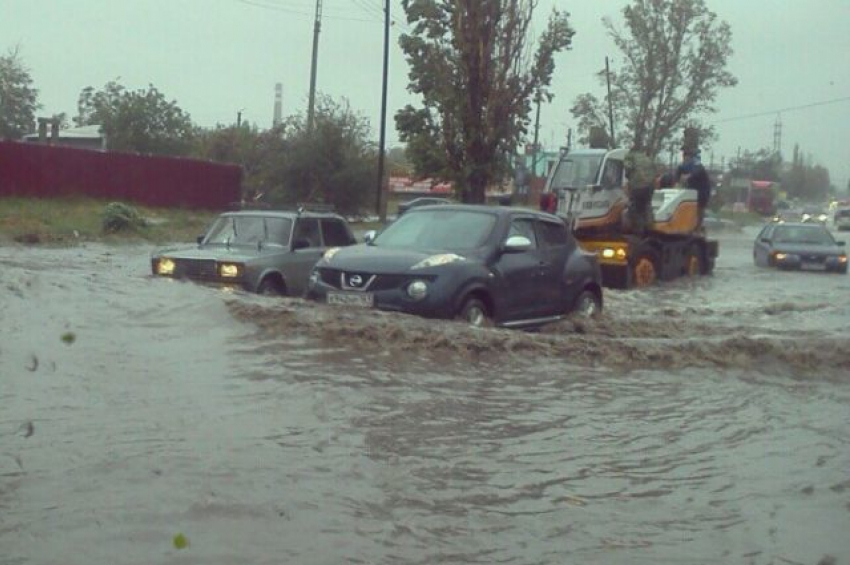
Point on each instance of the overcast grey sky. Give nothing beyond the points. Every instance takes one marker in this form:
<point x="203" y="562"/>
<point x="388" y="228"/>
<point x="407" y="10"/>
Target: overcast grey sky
<point x="217" y="57"/>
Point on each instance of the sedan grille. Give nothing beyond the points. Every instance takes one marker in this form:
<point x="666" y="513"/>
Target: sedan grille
<point x="196" y="268"/>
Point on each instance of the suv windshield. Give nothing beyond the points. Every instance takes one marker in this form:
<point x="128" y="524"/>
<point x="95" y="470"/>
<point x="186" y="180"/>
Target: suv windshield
<point x="576" y="171"/>
<point x="248" y="230"/>
<point x="803" y="234"/>
<point x="438" y="229"/>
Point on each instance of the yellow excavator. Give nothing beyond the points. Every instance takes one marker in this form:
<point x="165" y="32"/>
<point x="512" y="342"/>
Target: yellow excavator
<point x="588" y="187"/>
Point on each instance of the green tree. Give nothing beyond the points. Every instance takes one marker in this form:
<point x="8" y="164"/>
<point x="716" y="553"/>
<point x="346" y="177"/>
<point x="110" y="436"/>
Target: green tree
<point x="334" y="163"/>
<point x="18" y="98"/>
<point x="805" y="180"/>
<point x="143" y="121"/>
<point x="674" y="56"/>
<point x="471" y="62"/>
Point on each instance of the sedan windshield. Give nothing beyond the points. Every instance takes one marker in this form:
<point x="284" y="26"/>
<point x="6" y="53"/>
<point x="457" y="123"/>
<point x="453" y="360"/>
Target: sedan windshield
<point x="453" y="230"/>
<point x="576" y="171"/>
<point x="812" y="235"/>
<point x="248" y="230"/>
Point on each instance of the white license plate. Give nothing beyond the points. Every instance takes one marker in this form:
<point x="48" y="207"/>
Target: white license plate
<point x="359" y="299"/>
<point x="812" y="266"/>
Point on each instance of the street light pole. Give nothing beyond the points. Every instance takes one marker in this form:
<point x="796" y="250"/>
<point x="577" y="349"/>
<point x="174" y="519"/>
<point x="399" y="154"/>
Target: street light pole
<point x="382" y="140"/>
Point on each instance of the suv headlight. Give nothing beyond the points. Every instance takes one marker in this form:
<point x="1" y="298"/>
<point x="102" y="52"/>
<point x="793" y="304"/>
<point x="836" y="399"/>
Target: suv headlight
<point x="329" y="254"/>
<point x="437" y="260"/>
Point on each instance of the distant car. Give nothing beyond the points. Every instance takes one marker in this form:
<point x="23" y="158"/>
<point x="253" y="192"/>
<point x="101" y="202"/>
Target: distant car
<point x="268" y="252"/>
<point x="811" y="215"/>
<point x="482" y="264"/>
<point x="787" y="215"/>
<point x="808" y="247"/>
<point x="842" y="219"/>
<point x="713" y="222"/>
<point x="422" y="201"/>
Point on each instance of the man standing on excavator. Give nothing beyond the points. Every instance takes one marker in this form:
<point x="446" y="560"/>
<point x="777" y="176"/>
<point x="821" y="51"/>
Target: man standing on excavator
<point x="691" y="174"/>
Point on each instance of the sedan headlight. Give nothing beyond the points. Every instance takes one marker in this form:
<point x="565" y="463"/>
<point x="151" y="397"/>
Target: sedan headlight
<point x="780" y="256"/>
<point x="822" y="217"/>
<point x="417" y="290"/>
<point x="329" y="254"/>
<point x="165" y="266"/>
<point x="806" y="217"/>
<point x="842" y="258"/>
<point x="437" y="260"/>
<point x="229" y="270"/>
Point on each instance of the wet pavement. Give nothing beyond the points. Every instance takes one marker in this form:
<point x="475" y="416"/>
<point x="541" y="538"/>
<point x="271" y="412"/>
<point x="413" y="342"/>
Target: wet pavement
<point x="702" y="421"/>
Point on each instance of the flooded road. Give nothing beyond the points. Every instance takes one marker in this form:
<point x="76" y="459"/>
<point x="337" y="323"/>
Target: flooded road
<point x="703" y="421"/>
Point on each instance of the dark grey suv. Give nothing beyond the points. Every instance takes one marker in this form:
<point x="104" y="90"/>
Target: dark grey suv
<point x="483" y="264"/>
<point x="269" y="252"/>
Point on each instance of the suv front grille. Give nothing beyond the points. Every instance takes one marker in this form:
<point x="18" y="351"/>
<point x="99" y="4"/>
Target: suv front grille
<point x="343" y="279"/>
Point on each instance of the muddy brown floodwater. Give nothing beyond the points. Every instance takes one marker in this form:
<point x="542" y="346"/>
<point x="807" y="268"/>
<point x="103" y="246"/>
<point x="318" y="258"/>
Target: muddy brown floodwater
<point x="703" y="421"/>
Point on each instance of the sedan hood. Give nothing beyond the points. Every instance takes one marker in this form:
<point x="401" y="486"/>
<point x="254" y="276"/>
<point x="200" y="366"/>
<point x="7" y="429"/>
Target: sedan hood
<point x="236" y="254"/>
<point x="808" y="249"/>
<point x="374" y="259"/>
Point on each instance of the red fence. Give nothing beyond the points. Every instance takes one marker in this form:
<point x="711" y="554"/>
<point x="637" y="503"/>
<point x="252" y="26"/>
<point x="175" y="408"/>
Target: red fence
<point x="44" y="171"/>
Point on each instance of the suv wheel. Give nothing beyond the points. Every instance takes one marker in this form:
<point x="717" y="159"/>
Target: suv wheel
<point x="587" y="305"/>
<point x="474" y="312"/>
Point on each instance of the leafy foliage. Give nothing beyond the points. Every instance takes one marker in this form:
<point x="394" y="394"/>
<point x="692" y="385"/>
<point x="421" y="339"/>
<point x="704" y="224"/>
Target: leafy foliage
<point x="674" y="55"/>
<point x="143" y="121"/>
<point x="18" y="98"/>
<point x="334" y="163"/>
<point x="471" y="62"/>
<point x="805" y="180"/>
<point x="118" y="217"/>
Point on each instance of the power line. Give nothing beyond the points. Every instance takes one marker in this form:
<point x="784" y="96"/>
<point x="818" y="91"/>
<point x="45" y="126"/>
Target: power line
<point x="289" y="9"/>
<point x="780" y="110"/>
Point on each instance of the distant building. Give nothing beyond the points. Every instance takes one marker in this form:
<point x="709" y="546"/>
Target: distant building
<point x="85" y="137"/>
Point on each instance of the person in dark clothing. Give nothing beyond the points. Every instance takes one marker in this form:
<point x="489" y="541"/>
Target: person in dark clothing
<point x="691" y="174"/>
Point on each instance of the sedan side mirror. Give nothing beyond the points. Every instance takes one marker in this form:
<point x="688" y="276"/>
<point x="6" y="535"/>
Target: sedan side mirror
<point x="517" y="244"/>
<point x="200" y="239"/>
<point x="369" y="236"/>
<point x="765" y="240"/>
<point x="841" y="243"/>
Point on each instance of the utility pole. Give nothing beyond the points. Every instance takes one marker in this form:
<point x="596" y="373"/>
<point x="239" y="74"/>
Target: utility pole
<point x="382" y="213"/>
<point x="238" y="119"/>
<point x="316" y="28"/>
<point x="536" y="138"/>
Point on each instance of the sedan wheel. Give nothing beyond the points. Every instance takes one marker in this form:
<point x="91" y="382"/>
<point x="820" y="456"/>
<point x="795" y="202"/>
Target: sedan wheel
<point x="270" y="287"/>
<point x="475" y="313"/>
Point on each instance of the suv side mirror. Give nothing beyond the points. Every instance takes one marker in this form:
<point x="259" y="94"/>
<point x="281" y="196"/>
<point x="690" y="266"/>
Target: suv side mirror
<point x="517" y="244"/>
<point x="200" y="239"/>
<point x="369" y="236"/>
<point x="841" y="243"/>
<point x="300" y="243"/>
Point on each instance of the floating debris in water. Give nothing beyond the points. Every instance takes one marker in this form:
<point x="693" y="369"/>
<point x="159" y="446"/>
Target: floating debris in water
<point x="180" y="541"/>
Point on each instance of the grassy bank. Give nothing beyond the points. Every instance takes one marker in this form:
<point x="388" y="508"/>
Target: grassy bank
<point x="74" y="220"/>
